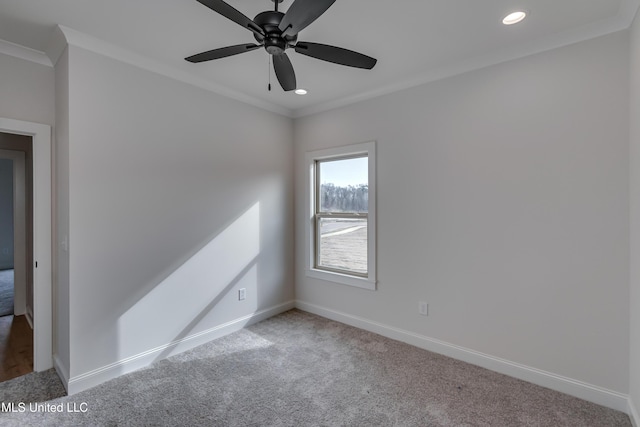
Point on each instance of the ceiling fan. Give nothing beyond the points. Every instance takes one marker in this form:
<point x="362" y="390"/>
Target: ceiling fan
<point x="276" y="32"/>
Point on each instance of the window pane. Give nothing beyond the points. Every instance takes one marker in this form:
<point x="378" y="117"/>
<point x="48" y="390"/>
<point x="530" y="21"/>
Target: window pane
<point x="344" y="185"/>
<point x="343" y="244"/>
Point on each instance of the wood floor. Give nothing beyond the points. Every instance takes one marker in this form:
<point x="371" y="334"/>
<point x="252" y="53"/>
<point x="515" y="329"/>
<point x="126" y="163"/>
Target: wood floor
<point x="16" y="347"/>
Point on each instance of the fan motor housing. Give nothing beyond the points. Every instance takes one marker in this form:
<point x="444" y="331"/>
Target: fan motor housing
<point x="275" y="45"/>
<point x="274" y="42"/>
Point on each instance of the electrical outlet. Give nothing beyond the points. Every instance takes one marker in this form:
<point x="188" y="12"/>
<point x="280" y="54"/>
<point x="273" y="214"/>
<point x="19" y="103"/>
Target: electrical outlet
<point x="423" y="308"/>
<point x="242" y="294"/>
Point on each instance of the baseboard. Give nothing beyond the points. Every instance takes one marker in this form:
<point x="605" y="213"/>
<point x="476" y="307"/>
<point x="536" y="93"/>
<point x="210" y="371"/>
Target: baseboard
<point x="595" y="394"/>
<point x="98" y="376"/>
<point x="633" y="414"/>
<point x="61" y="371"/>
<point x="29" y="316"/>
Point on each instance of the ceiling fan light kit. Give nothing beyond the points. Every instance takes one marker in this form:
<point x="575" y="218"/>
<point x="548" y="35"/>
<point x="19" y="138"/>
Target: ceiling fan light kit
<point x="277" y="32"/>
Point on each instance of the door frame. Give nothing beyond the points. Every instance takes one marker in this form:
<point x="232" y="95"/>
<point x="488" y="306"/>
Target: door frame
<point x="42" y="238"/>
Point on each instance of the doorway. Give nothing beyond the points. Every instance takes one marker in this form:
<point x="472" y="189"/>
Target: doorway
<point x="40" y="265"/>
<point x="16" y="254"/>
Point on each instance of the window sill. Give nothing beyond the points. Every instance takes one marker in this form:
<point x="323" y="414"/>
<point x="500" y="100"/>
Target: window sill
<point x="343" y="279"/>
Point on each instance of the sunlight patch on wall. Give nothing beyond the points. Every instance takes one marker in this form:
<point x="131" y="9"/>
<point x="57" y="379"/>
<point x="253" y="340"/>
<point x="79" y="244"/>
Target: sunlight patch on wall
<point x="180" y="304"/>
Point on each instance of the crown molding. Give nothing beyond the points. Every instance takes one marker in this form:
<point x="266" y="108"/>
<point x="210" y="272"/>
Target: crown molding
<point x="57" y="45"/>
<point x="619" y="22"/>
<point x="78" y="39"/>
<point x="63" y="36"/>
<point x="25" y="53"/>
<point x="627" y="12"/>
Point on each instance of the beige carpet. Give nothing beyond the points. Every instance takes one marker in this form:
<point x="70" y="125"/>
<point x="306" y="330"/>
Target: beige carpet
<point x="297" y="369"/>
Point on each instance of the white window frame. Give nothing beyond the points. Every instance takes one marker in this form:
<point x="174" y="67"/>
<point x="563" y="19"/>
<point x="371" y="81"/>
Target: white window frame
<point x="367" y="281"/>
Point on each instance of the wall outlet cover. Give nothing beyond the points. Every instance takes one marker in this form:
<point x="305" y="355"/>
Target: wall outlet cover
<point x="423" y="308"/>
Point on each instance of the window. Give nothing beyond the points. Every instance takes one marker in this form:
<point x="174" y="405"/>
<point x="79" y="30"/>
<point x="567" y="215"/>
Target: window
<point x="341" y="226"/>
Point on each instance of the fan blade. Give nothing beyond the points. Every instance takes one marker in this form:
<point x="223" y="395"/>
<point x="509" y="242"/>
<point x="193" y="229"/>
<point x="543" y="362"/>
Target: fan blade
<point x="223" y="52"/>
<point x="337" y="55"/>
<point x="284" y="72"/>
<point x="302" y="13"/>
<point x="229" y="12"/>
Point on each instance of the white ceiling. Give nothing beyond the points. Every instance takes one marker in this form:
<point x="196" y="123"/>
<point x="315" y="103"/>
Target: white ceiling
<point x="415" y="41"/>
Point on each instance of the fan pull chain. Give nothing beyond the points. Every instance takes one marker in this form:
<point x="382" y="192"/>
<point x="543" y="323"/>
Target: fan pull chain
<point x="269" y="72"/>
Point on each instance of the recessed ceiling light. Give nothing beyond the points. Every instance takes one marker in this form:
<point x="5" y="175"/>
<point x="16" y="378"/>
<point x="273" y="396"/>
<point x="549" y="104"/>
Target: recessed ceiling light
<point x="514" y="18"/>
<point x="301" y="91"/>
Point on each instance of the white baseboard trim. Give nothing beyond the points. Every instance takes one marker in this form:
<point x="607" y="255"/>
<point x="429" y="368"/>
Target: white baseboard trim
<point x="633" y="414"/>
<point x="93" y="378"/>
<point x="61" y="371"/>
<point x="595" y="394"/>
<point x="29" y="316"/>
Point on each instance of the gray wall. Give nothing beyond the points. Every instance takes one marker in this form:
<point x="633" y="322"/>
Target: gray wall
<point x="177" y="197"/>
<point x="6" y="214"/>
<point x="635" y="216"/>
<point x="503" y="203"/>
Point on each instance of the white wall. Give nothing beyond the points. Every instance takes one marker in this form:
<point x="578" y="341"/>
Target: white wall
<point x="61" y="315"/>
<point x="511" y="221"/>
<point x="503" y="203"/>
<point x="26" y="90"/>
<point x="177" y="198"/>
<point x="635" y="218"/>
<point x="27" y="93"/>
